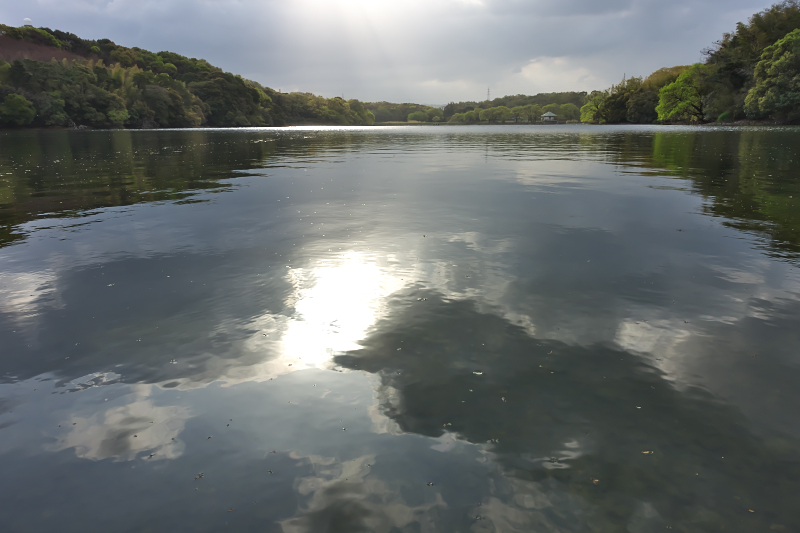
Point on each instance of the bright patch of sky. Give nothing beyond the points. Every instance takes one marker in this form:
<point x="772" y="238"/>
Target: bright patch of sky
<point x="430" y="51"/>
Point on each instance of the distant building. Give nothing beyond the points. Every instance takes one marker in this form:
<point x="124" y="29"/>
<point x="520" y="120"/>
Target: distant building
<point x="549" y="117"/>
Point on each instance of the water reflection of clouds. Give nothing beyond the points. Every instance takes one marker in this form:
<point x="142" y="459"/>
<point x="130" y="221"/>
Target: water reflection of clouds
<point x="22" y="294"/>
<point x="661" y="340"/>
<point x="122" y="433"/>
<point x="344" y="493"/>
<point x="330" y="308"/>
<point x="517" y="505"/>
<point x="357" y="497"/>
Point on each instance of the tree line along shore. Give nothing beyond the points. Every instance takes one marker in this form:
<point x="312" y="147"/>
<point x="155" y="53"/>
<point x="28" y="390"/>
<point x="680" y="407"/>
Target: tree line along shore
<point x="50" y="78"/>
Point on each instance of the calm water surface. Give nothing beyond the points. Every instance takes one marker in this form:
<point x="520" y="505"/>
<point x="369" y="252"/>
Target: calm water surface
<point x="455" y="329"/>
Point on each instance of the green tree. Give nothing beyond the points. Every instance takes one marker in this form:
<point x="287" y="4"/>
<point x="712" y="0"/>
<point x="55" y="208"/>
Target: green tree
<point x="552" y="108"/>
<point x="590" y="110"/>
<point x="125" y="57"/>
<point x="17" y="110"/>
<point x="531" y="113"/>
<point x="777" y="89"/>
<point x="642" y="108"/>
<point x="734" y="58"/>
<point x="432" y="113"/>
<point x="683" y="99"/>
<point x="473" y="116"/>
<point x="663" y="76"/>
<point x="568" y="111"/>
<point x="419" y="116"/>
<point x="457" y="118"/>
<point x="361" y="115"/>
<point x="4" y="68"/>
<point x="118" y="117"/>
<point x="494" y="115"/>
<point x="503" y="113"/>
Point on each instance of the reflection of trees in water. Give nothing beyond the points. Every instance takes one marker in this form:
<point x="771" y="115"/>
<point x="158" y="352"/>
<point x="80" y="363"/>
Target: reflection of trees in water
<point x="45" y="174"/>
<point x="570" y="414"/>
<point x="747" y="176"/>
<point x="49" y="174"/>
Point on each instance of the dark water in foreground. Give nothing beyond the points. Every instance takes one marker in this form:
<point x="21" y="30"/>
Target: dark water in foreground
<point x="400" y="330"/>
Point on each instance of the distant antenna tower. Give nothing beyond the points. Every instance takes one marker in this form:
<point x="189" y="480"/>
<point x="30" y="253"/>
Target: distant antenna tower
<point x="488" y="94"/>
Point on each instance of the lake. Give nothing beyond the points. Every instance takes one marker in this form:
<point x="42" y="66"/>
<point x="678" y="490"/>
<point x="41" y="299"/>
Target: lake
<point x="400" y="329"/>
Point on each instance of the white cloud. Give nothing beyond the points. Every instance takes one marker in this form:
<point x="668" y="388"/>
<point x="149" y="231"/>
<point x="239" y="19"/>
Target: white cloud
<point x="127" y="432"/>
<point x="336" y="483"/>
<point x="557" y="74"/>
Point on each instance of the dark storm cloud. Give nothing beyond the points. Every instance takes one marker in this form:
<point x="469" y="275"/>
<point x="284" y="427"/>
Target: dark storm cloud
<point x="430" y="51"/>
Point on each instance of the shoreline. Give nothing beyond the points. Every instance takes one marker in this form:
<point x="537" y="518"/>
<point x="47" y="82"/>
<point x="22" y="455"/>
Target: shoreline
<point x="737" y="123"/>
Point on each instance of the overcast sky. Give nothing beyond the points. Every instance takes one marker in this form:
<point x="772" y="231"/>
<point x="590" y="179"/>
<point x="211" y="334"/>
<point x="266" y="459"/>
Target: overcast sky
<point x="424" y="51"/>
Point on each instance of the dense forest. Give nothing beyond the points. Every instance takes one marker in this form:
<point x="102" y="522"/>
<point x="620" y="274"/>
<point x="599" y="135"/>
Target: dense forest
<point x="752" y="73"/>
<point x="100" y="84"/>
<point x="517" y="108"/>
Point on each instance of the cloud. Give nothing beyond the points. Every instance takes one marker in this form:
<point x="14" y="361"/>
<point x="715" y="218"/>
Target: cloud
<point x="21" y="293"/>
<point x="346" y="491"/>
<point x="432" y="51"/>
<point x="125" y="432"/>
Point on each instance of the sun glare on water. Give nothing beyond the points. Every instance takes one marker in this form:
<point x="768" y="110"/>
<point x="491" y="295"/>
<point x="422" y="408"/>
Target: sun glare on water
<point x="336" y="304"/>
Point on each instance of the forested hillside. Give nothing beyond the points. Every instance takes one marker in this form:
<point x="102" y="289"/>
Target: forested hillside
<point x="52" y="78"/>
<point x="751" y="73"/>
<point x="519" y="108"/>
